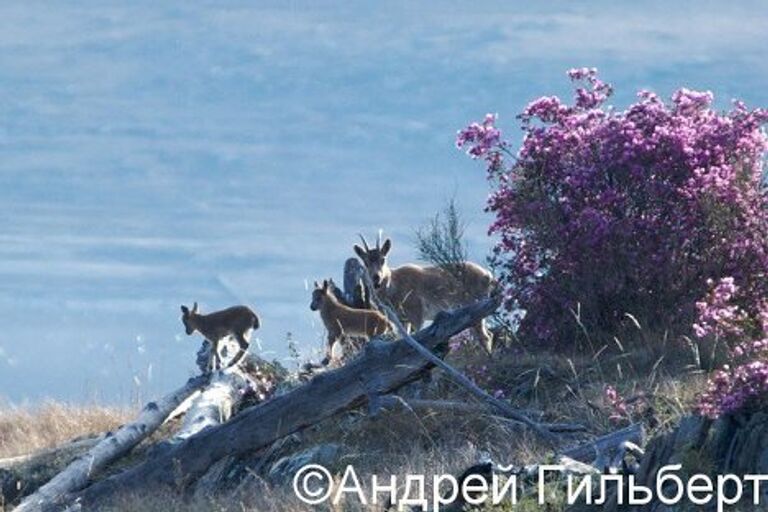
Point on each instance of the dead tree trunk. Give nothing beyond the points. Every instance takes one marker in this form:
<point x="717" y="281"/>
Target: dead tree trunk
<point x="71" y="446"/>
<point x="355" y="293"/>
<point x="395" y="402"/>
<point x="456" y="376"/>
<point x="601" y="451"/>
<point x="113" y="446"/>
<point x="215" y="404"/>
<point x="381" y="368"/>
<point x="23" y="474"/>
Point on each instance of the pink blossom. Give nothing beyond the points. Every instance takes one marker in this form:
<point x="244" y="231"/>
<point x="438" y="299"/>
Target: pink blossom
<point x="629" y="211"/>
<point x="731" y="390"/>
<point x="480" y="137"/>
<point x="717" y="315"/>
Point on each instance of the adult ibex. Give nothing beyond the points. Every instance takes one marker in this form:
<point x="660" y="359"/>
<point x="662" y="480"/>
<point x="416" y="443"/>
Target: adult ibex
<point x="340" y="319"/>
<point x="237" y="321"/>
<point x="418" y="293"/>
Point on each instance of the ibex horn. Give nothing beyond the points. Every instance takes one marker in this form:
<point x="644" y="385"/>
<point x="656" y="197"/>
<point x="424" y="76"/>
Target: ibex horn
<point x="378" y="240"/>
<point x="365" y="244"/>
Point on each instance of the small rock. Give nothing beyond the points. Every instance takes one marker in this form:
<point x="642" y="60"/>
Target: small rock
<point x="574" y="467"/>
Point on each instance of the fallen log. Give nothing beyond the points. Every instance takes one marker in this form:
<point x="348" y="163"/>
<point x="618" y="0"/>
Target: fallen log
<point x="381" y="368"/>
<point x="23" y="474"/>
<point x="394" y="402"/>
<point x="458" y="377"/>
<point x="113" y="446"/>
<point x="215" y="404"/>
<point x="473" y="388"/>
<point x="600" y="452"/>
<point x="79" y="444"/>
<point x="573" y="461"/>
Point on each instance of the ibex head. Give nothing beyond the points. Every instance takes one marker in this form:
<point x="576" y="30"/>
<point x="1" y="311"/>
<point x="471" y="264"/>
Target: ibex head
<point x="375" y="260"/>
<point x="319" y="294"/>
<point x="188" y="317"/>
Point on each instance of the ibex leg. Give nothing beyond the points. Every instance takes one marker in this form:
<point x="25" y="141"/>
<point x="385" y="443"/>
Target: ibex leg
<point x="213" y="356"/>
<point x="243" y="349"/>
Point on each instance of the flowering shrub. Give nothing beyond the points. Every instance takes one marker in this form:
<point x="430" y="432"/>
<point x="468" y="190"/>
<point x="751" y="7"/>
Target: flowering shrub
<point x="716" y="314"/>
<point x="734" y="387"/>
<point x="606" y="212"/>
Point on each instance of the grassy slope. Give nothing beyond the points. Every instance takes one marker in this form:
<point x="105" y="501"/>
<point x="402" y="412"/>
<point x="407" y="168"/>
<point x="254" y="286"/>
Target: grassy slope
<point x="26" y="430"/>
<point x="660" y="380"/>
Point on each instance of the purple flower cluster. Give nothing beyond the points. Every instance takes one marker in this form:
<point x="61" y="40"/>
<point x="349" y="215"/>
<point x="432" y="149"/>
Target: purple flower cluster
<point x="609" y="212"/>
<point x="733" y="389"/>
<point x="483" y="140"/>
<point x="461" y="340"/>
<point x="480" y="137"/>
<point x="716" y="314"/>
<point x="596" y="93"/>
<point x="618" y="406"/>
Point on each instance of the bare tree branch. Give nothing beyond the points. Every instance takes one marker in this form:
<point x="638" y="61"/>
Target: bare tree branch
<point x="113" y="446"/>
<point x="381" y="368"/>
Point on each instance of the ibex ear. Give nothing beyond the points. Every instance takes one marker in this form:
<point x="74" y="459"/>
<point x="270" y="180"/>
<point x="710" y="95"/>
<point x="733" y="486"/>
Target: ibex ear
<point x="316" y="285"/>
<point x="360" y="252"/>
<point x="194" y="308"/>
<point x="185" y="310"/>
<point x="386" y="247"/>
<point x="325" y="284"/>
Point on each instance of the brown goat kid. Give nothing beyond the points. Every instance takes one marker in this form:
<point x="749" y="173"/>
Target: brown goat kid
<point x="421" y="292"/>
<point x="340" y="319"/>
<point x="237" y="321"/>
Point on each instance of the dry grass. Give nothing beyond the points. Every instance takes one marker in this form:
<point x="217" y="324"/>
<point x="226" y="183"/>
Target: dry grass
<point x="26" y="430"/>
<point x="661" y="380"/>
<point x="659" y="377"/>
<point x="408" y="457"/>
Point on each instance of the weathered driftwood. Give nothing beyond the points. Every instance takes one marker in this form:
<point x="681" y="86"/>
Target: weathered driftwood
<point x="23" y="474"/>
<point x="215" y="404"/>
<point x="355" y="293"/>
<point x="75" y="445"/>
<point x="397" y="402"/>
<point x="394" y="402"/>
<point x="591" y="456"/>
<point x="454" y="374"/>
<point x="600" y="452"/>
<point x="113" y="446"/>
<point x="465" y="382"/>
<point x="381" y="368"/>
<point x="527" y="476"/>
<point x="736" y="445"/>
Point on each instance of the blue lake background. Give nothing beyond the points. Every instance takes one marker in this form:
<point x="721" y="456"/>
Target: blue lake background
<point x="157" y="153"/>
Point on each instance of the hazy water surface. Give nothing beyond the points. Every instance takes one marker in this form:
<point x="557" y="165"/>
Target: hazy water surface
<point x="155" y="153"/>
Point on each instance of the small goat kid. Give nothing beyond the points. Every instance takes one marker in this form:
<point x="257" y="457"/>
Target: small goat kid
<point x="237" y="321"/>
<point x="419" y="293"/>
<point x="340" y="319"/>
